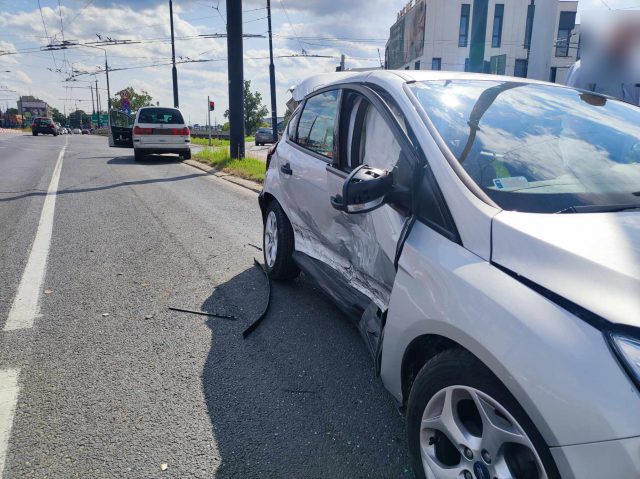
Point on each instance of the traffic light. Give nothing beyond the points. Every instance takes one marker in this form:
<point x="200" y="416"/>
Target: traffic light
<point x="212" y="105"/>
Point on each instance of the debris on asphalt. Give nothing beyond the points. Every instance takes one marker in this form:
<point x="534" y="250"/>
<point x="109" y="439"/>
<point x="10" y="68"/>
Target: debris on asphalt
<point x="48" y="291"/>
<point x="202" y="313"/>
<point x="255" y="324"/>
<point x="164" y="466"/>
<point x="149" y="316"/>
<point x="254" y="246"/>
<point x="104" y="315"/>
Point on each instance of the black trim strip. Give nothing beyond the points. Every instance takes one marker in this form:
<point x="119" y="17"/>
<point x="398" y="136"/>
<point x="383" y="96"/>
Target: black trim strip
<point x="589" y="317"/>
<point x="606" y="327"/>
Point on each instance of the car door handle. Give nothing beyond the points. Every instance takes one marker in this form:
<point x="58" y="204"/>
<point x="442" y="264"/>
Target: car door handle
<point x="286" y="169"/>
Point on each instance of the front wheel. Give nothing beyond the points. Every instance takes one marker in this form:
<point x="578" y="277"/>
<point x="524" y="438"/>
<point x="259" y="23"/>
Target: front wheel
<point x="463" y="422"/>
<point x="278" y="244"/>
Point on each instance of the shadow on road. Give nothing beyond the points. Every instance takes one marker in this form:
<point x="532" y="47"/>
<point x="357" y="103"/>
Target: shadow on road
<point x="297" y="398"/>
<point x="151" y="160"/>
<point x="105" y="187"/>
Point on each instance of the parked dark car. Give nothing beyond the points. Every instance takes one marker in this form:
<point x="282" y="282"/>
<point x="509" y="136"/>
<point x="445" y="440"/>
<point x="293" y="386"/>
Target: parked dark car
<point x="44" y="125"/>
<point x="264" y="135"/>
<point x="85" y="131"/>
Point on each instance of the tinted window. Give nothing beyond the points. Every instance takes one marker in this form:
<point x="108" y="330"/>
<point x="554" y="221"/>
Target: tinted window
<point x="315" y="128"/>
<point x="166" y="116"/>
<point x="538" y="148"/>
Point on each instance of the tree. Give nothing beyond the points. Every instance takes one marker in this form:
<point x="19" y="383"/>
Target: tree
<point x="12" y="111"/>
<point x="254" y="110"/>
<point x="79" y="119"/>
<point x="58" y="117"/>
<point x="136" y="100"/>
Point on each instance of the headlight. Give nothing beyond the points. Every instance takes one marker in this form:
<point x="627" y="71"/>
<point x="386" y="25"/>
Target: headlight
<point x="628" y="352"/>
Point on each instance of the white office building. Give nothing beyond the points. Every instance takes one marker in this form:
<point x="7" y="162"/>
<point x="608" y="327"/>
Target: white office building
<point x="526" y="38"/>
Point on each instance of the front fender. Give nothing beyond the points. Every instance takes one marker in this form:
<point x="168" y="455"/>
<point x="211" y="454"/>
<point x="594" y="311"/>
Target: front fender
<point x="559" y="369"/>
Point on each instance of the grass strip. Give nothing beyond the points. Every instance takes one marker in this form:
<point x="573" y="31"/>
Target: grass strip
<point x="205" y="141"/>
<point x="248" y="168"/>
<point x="218" y="141"/>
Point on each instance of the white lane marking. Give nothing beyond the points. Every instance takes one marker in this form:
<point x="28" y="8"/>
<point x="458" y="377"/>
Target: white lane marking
<point x="26" y="304"/>
<point x="8" y="401"/>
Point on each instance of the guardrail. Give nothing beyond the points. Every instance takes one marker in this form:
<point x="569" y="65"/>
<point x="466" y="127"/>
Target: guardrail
<point x="219" y="135"/>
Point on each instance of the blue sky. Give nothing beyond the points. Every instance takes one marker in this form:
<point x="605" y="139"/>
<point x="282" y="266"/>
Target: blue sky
<point x="357" y="28"/>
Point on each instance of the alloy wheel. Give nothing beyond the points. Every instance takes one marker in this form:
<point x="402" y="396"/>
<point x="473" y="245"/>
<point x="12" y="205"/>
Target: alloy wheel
<point x="466" y="434"/>
<point x="271" y="239"/>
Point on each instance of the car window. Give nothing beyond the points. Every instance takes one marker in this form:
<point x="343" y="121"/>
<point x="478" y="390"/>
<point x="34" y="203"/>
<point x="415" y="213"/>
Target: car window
<point x="292" y="124"/>
<point x="315" y="128"/>
<point x="538" y="148"/>
<point x="165" y="116"/>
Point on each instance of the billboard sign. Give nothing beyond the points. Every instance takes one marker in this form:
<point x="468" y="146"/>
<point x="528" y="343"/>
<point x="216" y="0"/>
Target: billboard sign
<point x="406" y="36"/>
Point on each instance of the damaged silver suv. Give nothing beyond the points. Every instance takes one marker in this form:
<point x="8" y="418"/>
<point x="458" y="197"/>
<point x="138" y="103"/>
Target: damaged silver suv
<point x="483" y="233"/>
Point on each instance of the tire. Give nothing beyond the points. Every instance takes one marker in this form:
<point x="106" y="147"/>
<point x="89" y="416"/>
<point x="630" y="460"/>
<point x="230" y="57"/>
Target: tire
<point x="456" y="373"/>
<point x="257" y="144"/>
<point x="139" y="155"/>
<point x="279" y="262"/>
<point x="187" y="155"/>
<point x="34" y="133"/>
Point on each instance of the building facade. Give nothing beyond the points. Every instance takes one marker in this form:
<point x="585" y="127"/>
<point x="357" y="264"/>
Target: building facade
<point x="31" y="107"/>
<point x="526" y="38"/>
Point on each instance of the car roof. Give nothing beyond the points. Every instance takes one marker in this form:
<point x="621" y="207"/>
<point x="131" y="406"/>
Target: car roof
<point x="313" y="83"/>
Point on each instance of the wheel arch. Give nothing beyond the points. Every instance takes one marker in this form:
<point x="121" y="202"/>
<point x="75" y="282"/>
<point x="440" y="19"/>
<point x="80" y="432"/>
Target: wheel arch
<point x="419" y="351"/>
<point x="264" y="199"/>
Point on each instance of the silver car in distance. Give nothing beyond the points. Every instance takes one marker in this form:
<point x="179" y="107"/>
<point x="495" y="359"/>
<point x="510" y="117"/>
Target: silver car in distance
<point x="483" y="232"/>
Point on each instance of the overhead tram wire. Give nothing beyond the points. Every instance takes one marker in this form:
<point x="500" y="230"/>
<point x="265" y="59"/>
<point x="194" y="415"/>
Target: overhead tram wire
<point x="47" y="34"/>
<point x="290" y="24"/>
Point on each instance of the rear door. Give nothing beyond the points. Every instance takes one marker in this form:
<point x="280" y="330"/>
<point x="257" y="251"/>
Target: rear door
<point x="302" y="162"/>
<point x="120" y="129"/>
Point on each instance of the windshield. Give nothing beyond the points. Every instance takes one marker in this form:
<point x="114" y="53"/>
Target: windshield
<point x="166" y="116"/>
<point x="538" y="148"/>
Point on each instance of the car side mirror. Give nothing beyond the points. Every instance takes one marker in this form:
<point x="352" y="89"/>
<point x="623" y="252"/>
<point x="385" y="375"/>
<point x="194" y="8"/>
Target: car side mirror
<point x="365" y="189"/>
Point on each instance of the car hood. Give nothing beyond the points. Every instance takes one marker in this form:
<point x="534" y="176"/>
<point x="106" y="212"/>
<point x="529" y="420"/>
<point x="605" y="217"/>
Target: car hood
<point x="590" y="259"/>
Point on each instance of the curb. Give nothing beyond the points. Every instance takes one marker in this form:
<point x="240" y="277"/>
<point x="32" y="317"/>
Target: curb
<point x="250" y="185"/>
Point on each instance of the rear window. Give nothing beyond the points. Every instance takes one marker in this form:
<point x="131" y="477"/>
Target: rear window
<point x="42" y="121"/>
<point x="165" y="116"/>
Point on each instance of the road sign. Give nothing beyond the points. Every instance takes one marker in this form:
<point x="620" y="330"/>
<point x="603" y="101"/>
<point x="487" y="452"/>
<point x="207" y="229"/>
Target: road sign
<point x="103" y="118"/>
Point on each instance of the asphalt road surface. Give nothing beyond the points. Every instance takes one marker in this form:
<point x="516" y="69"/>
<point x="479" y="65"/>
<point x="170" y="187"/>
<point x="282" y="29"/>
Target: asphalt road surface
<point x="99" y="379"/>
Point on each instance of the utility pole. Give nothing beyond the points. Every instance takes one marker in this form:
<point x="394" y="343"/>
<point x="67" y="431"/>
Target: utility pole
<point x="106" y="66"/>
<point x="92" y="103"/>
<point x="98" y="102"/>
<point x="272" y="79"/>
<point x="174" y="72"/>
<point x="209" y="118"/>
<point x="236" y="77"/>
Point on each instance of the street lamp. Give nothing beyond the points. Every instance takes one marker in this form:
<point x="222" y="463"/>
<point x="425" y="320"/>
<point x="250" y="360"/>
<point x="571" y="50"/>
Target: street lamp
<point x="106" y="70"/>
<point x="67" y="44"/>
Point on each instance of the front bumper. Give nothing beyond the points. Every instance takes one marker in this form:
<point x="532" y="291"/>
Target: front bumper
<point x="619" y="459"/>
